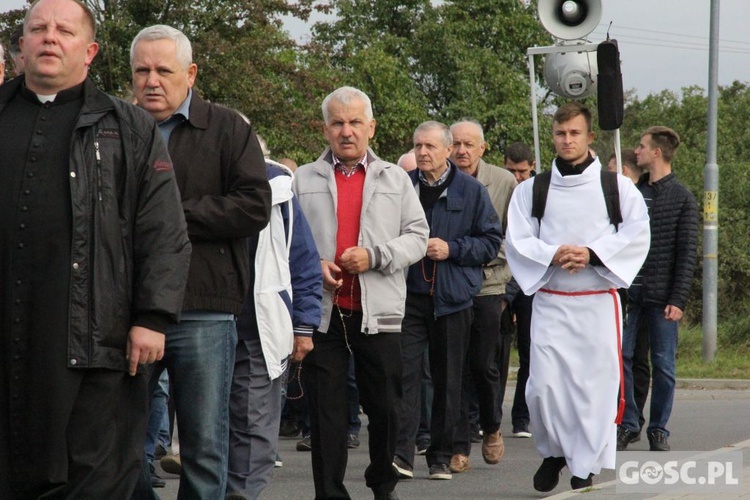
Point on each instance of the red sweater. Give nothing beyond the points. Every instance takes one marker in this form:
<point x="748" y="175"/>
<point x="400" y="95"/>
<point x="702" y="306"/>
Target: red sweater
<point x="347" y="235"/>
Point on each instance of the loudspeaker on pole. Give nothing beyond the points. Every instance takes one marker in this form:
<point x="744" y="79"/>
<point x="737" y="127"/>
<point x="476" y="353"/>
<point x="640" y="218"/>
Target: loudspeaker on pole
<point x="609" y="82"/>
<point x="570" y="19"/>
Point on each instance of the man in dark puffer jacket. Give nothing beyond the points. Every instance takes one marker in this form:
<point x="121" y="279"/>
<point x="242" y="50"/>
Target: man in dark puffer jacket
<point x="659" y="294"/>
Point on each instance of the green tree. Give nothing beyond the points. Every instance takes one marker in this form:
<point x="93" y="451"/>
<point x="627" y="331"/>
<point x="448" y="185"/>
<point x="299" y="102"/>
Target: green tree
<point x="450" y="60"/>
<point x="471" y="61"/>
<point x="686" y="112"/>
<point x="370" y="46"/>
<point x="245" y="60"/>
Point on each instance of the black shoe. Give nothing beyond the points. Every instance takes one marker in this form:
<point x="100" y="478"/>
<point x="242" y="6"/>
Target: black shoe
<point x="403" y="470"/>
<point x="289" y="429"/>
<point x="521" y="430"/>
<point x="548" y="474"/>
<point x="156" y="480"/>
<point x="440" y="471"/>
<point x="475" y="433"/>
<point x="625" y="437"/>
<point x="305" y="444"/>
<point x="352" y="441"/>
<point x="578" y="483"/>
<point x="657" y="440"/>
<point x="159" y="452"/>
<point x="422" y="447"/>
<point x="386" y="496"/>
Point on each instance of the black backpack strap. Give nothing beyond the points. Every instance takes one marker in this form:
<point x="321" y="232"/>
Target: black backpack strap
<point x="612" y="197"/>
<point x="539" y="194"/>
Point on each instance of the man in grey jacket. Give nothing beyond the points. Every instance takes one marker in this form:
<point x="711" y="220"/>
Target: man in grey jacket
<point x="368" y="226"/>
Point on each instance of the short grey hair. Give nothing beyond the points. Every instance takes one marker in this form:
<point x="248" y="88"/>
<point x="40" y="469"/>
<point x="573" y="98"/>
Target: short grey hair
<point x="345" y="95"/>
<point x="2" y="53"/>
<point x="472" y="121"/>
<point x="183" y="49"/>
<point x="433" y="125"/>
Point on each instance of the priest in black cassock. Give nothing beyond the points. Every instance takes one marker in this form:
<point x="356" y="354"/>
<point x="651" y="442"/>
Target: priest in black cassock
<point x="93" y="264"/>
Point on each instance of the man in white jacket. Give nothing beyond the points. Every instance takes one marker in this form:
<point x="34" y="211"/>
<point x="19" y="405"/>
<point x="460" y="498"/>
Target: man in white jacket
<point x="369" y="227"/>
<point x="282" y="307"/>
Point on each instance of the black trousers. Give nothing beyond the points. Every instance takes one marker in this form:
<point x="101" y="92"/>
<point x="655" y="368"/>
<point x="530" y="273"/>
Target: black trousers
<point x="522" y="307"/>
<point x="448" y="341"/>
<point x="105" y="433"/>
<point x="377" y="365"/>
<point x="482" y="371"/>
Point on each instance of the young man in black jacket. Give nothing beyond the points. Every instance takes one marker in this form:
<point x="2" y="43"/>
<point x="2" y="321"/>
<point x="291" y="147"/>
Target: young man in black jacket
<point x="660" y="292"/>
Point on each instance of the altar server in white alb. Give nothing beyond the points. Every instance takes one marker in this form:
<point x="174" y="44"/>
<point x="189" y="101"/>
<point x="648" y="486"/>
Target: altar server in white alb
<point x="573" y="256"/>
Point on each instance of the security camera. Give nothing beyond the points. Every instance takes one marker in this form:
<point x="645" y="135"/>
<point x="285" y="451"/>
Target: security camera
<point x="571" y="74"/>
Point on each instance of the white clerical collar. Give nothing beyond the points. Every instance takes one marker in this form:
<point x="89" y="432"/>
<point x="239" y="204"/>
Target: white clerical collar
<point x="46" y="98"/>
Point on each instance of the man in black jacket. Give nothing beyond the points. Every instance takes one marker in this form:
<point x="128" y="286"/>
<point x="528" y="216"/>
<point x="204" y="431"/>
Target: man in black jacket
<point x="660" y="292"/>
<point x="93" y="263"/>
<point x="226" y="198"/>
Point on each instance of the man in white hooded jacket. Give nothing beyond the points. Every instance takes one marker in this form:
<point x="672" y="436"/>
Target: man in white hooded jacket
<point x="281" y="310"/>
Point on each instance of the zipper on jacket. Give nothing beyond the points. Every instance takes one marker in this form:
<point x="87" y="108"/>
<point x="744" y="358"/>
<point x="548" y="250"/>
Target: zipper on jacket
<point x="98" y="170"/>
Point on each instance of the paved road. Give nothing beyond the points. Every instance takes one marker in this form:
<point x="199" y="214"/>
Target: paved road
<point x="702" y="420"/>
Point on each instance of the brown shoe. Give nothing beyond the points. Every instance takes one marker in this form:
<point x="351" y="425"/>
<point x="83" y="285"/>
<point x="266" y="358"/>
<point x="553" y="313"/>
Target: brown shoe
<point x="493" y="447"/>
<point x="459" y="463"/>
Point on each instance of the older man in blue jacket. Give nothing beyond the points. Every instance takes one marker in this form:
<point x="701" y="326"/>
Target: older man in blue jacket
<point x="465" y="233"/>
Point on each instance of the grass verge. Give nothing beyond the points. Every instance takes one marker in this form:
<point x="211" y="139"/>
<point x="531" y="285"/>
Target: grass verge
<point x="732" y="360"/>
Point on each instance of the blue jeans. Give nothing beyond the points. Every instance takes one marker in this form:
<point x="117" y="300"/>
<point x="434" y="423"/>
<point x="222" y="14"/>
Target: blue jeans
<point x="663" y="338"/>
<point x="199" y="356"/>
<point x="157" y="430"/>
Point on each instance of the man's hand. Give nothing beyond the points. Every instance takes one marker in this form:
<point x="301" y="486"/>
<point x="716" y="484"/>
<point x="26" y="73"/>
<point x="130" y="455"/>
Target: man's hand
<point x="571" y="257"/>
<point x="329" y="275"/>
<point x="144" y="346"/>
<point x="672" y="313"/>
<point x="355" y="260"/>
<point x="437" y="249"/>
<point x="302" y="345"/>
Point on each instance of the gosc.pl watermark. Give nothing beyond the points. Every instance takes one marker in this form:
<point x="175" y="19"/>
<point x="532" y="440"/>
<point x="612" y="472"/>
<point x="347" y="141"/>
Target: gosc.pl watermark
<point x="679" y="471"/>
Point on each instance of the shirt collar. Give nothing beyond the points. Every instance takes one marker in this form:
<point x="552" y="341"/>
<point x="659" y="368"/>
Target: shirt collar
<point x="183" y="112"/>
<point x="339" y="165"/>
<point x="440" y="181"/>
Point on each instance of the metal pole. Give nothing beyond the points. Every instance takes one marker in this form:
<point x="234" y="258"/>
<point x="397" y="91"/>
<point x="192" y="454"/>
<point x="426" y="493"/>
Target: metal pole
<point x="711" y="197"/>
<point x="534" y="120"/>
<point x="618" y="152"/>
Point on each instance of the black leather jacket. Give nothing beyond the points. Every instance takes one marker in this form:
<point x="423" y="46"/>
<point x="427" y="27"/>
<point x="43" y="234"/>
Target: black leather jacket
<point x="129" y="251"/>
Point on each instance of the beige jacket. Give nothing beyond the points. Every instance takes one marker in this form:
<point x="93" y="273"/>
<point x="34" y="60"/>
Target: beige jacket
<point x="500" y="184"/>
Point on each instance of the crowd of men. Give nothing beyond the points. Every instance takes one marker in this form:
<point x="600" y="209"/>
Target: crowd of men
<point x="156" y="236"/>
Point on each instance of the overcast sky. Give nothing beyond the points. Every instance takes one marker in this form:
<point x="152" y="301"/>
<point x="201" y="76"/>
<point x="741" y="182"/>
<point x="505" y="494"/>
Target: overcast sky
<point x="663" y="43"/>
